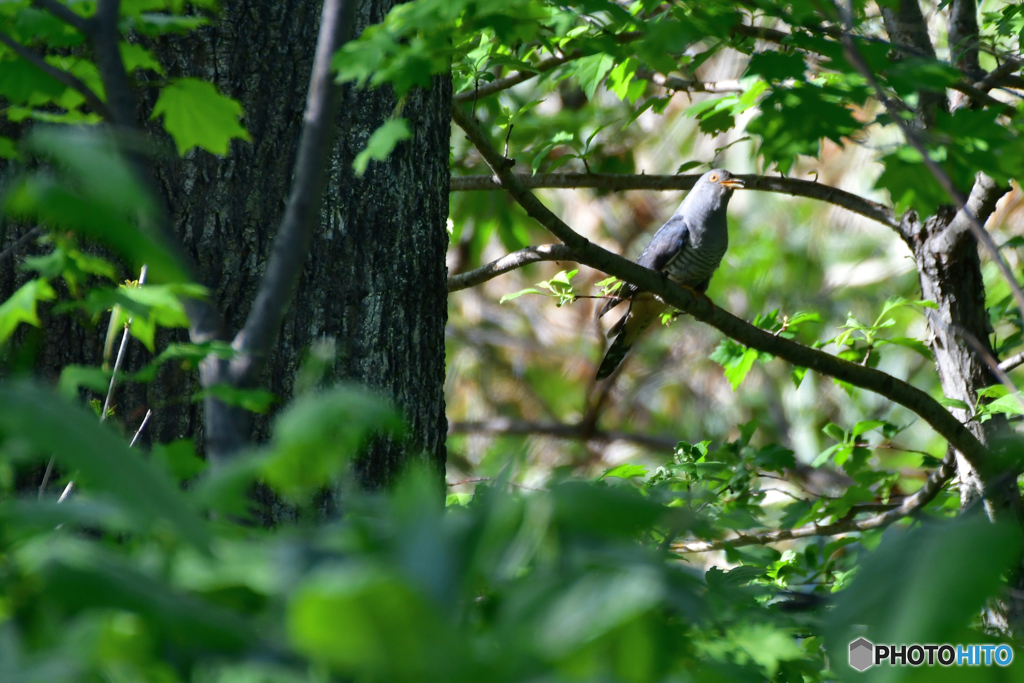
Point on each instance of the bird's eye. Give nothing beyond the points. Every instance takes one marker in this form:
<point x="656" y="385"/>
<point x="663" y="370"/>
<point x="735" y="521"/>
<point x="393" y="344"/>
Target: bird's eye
<point x="713" y="177"/>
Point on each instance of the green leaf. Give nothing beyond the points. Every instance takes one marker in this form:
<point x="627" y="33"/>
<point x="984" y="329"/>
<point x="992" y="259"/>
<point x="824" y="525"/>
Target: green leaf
<point x="94" y="194"/>
<point x="962" y="560"/>
<point x="179" y="459"/>
<point x="136" y="56"/>
<point x="31" y="415"/>
<point x="363" y="621"/>
<point x="625" y="471"/>
<point x="320" y="432"/>
<point x="253" y="400"/>
<point x="196" y="115"/>
<point x="736" y="359"/>
<point x="382" y="143"/>
<point x="516" y="295"/>
<point x="21" y="307"/>
<point x="591" y="70"/>
<point x="953" y="403"/>
<point x="866" y="426"/>
<point x="101" y="583"/>
<point x="835" y="431"/>
<point x="1007" y="405"/>
<point x="73" y="377"/>
<point x="994" y="391"/>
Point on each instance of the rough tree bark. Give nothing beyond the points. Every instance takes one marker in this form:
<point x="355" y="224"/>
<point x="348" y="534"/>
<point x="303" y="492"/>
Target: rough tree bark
<point x="949" y="269"/>
<point x="376" y="276"/>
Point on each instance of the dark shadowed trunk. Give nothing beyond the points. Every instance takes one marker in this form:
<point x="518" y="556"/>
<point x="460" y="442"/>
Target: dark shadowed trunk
<point x="375" y="279"/>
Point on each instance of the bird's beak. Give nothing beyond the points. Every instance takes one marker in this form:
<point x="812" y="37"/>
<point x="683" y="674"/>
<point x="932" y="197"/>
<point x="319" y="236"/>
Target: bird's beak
<point x="733" y="183"/>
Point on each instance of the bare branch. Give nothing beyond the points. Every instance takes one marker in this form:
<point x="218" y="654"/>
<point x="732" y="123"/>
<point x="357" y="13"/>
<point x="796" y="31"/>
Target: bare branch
<point x="909" y="506"/>
<point x="106" y="48"/>
<point x="619" y="182"/>
<point x="1000" y="74"/>
<point x="62" y="12"/>
<point x="59" y="75"/>
<point x="963" y="35"/>
<point x="291" y="245"/>
<point x="580" y="432"/>
<point x="703" y="309"/>
<point x="138" y="432"/>
<point x="1012" y="363"/>
<point x="518" y="259"/>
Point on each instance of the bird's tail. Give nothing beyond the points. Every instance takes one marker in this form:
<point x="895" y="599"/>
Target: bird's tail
<point x="616" y="352"/>
<point x="643" y="310"/>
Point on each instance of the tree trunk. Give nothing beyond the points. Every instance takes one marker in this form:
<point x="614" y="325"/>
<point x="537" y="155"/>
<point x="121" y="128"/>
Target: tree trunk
<point x="376" y="277"/>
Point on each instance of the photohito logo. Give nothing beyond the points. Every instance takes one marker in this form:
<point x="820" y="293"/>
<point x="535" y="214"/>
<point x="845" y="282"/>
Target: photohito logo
<point x="865" y="654"/>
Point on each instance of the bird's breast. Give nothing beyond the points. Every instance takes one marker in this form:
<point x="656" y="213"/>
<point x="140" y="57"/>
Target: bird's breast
<point x="695" y="263"/>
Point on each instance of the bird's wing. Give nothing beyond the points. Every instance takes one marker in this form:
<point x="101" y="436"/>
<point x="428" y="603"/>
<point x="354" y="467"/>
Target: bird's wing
<point x="671" y="238"/>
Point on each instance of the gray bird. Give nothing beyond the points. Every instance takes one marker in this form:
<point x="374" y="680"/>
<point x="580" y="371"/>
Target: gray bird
<point x="688" y="248"/>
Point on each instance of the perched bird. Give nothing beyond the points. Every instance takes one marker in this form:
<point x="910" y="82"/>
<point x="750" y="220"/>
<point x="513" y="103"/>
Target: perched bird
<point x="688" y="248"/>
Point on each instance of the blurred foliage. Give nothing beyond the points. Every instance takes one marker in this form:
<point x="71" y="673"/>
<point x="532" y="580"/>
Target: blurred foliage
<point x="127" y="582"/>
<point x="555" y="557"/>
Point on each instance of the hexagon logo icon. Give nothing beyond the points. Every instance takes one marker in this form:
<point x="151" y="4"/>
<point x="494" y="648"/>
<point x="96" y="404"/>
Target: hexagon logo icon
<point x="862" y="654"/>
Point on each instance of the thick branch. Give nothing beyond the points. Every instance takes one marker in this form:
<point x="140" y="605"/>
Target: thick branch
<point x="704" y="310"/>
<point x="980" y="204"/>
<point x="106" y="41"/>
<point x="518" y="259"/>
<point x="608" y="181"/>
<point x="583" y="432"/>
<point x="963" y="36"/>
<point x="291" y="245"/>
<point x="59" y="75"/>
<point x="910" y="506"/>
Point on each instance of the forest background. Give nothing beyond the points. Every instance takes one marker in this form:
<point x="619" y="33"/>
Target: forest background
<point x="261" y="296"/>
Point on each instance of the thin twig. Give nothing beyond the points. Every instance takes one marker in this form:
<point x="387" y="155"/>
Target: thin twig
<point x="56" y="74"/>
<point x="46" y="476"/>
<point x="517" y="259"/>
<point x="142" y="426"/>
<point x="620" y="182"/>
<point x="120" y="357"/>
<point x="704" y="310"/>
<point x="909" y="506"/>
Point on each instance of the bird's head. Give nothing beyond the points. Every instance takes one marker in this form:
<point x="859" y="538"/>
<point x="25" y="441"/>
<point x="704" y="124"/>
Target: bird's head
<point x="718" y="180"/>
<point x="710" y="195"/>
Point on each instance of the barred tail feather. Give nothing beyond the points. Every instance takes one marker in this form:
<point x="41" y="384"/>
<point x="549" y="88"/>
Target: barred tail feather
<point x="616" y="352"/>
